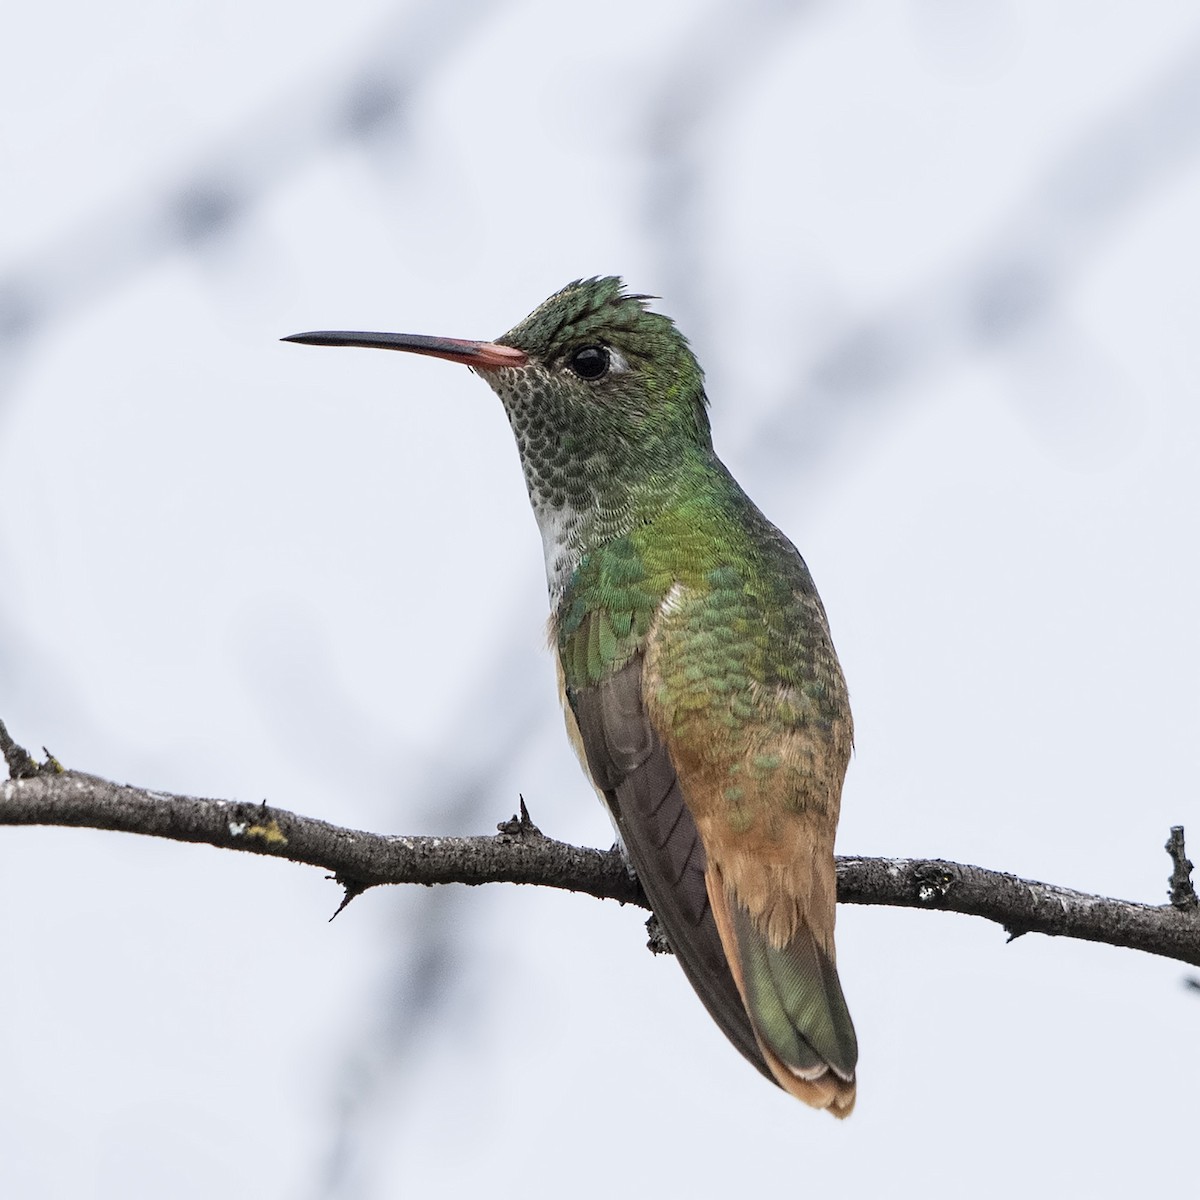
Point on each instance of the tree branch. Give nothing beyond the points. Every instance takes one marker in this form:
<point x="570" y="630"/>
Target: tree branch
<point x="520" y="853"/>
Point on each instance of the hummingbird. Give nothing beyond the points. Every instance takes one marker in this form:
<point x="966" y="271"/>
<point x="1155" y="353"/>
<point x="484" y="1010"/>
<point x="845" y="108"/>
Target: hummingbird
<point x="699" y="681"/>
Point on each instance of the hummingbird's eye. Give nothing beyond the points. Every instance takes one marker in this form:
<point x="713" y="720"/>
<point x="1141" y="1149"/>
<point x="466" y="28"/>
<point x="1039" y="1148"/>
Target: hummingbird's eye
<point x="590" y="362"/>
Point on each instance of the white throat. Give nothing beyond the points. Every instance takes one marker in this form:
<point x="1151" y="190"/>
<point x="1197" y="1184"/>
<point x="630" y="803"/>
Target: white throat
<point x="559" y="528"/>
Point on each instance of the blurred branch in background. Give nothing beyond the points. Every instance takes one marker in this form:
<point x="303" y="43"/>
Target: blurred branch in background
<point x="456" y="793"/>
<point x="368" y="104"/>
<point x="1004" y="291"/>
<point x="365" y="103"/>
<point x="723" y="54"/>
<point x="520" y="853"/>
<point x="1013" y="283"/>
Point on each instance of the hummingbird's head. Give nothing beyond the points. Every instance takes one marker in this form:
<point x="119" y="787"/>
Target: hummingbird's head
<point x="607" y="375"/>
<point x="591" y="366"/>
<point x="605" y="399"/>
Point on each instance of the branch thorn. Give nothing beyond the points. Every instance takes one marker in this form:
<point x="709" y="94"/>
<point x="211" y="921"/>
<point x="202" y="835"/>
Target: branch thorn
<point x="352" y="888"/>
<point x="22" y="764"/>
<point x="1180" y="889"/>
<point x="520" y="825"/>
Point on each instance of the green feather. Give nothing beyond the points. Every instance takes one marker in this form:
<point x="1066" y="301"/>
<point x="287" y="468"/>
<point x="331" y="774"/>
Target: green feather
<point x="795" y="1000"/>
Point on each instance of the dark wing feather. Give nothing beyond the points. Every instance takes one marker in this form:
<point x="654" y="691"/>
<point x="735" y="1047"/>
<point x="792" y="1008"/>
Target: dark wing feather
<point x="633" y="769"/>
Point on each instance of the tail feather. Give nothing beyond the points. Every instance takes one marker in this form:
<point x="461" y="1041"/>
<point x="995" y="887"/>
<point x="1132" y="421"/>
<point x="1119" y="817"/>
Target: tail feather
<point x="795" y="1003"/>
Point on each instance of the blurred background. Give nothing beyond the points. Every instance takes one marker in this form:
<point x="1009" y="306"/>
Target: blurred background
<point x="940" y="260"/>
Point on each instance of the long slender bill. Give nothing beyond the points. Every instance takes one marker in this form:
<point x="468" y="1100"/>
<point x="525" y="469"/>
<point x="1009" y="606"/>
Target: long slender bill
<point x="484" y="356"/>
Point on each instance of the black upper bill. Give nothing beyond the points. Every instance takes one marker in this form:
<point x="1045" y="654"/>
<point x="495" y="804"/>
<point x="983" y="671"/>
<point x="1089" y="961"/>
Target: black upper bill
<point x="483" y="355"/>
